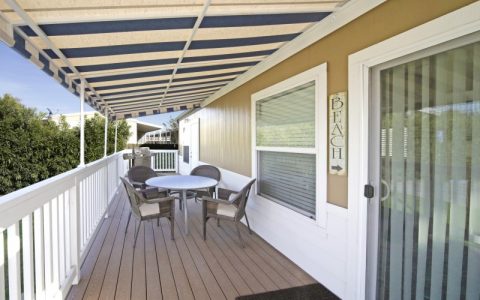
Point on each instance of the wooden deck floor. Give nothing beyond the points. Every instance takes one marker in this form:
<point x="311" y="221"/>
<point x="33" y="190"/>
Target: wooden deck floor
<point x="186" y="268"/>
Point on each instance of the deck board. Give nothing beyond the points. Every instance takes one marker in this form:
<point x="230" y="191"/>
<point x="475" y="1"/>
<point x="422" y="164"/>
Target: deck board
<point x="185" y="268"/>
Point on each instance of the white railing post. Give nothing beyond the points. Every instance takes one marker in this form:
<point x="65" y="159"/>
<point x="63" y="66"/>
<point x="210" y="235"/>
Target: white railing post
<point x="75" y="228"/>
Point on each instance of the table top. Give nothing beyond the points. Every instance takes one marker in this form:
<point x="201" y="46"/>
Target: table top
<point x="181" y="182"/>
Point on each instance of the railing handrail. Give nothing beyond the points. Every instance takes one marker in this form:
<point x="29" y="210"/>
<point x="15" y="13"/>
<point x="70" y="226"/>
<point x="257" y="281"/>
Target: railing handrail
<point x="17" y="204"/>
<point x="163" y="150"/>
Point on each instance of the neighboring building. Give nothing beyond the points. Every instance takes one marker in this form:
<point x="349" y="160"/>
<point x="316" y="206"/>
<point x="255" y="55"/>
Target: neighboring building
<point x="160" y="136"/>
<point x="138" y="129"/>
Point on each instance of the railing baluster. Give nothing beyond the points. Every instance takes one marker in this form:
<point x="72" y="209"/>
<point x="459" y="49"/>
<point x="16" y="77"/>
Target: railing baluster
<point x="39" y="254"/>
<point x="27" y="240"/>
<point x="61" y="237"/>
<point x="82" y="203"/>
<point x="13" y="252"/>
<point x="76" y="237"/>
<point x="88" y="189"/>
<point x="47" y="232"/>
<point x="55" y="244"/>
<point x="66" y="232"/>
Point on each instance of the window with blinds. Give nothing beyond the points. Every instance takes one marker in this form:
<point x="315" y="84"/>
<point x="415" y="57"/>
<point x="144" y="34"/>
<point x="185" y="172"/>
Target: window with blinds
<point x="286" y="152"/>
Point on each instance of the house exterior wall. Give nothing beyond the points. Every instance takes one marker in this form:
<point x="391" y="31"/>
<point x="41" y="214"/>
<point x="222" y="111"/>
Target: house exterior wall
<point x="225" y="133"/>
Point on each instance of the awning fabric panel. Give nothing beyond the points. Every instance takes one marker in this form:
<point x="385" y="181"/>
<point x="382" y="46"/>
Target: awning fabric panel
<point x="138" y="64"/>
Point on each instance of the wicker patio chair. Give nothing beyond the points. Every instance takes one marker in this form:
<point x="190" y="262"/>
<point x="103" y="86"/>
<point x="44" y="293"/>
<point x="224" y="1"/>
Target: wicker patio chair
<point x="230" y="208"/>
<point x="206" y="171"/>
<point x="147" y="209"/>
<point x="137" y="177"/>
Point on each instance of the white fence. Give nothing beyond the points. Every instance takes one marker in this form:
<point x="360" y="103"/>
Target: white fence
<point x="165" y="160"/>
<point x="48" y="228"/>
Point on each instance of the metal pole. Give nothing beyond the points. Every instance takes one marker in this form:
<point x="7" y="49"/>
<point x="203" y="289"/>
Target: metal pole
<point x="116" y="129"/>
<point x="82" y="123"/>
<point x="106" y="131"/>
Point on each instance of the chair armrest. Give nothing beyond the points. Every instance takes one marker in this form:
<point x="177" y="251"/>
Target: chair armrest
<point x="210" y="199"/>
<point x="225" y="193"/>
<point x="137" y="184"/>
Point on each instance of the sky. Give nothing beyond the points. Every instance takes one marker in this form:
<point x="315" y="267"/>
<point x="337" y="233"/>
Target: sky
<point x="25" y="81"/>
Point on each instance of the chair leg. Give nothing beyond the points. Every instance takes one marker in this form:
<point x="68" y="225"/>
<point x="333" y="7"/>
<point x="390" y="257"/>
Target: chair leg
<point x="158" y="221"/>
<point x="218" y="222"/>
<point x="242" y="243"/>
<point x="204" y="219"/>
<point x="136" y="233"/>
<point x="128" y="222"/>
<point x="248" y="224"/>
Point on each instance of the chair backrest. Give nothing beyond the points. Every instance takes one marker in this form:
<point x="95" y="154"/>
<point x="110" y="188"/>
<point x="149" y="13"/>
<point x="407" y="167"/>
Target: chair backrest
<point x="240" y="200"/>
<point x="132" y="197"/>
<point x="140" y="174"/>
<point x="207" y="171"/>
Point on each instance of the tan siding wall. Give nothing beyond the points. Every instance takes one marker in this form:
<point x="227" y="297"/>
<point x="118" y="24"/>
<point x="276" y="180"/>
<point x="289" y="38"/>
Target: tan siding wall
<point x="225" y="124"/>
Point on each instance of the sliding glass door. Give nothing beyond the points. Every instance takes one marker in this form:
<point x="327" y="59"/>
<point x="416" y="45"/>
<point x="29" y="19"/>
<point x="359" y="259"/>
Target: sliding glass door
<point x="427" y="165"/>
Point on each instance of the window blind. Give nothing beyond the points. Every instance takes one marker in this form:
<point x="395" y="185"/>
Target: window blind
<point x="287" y="119"/>
<point x="288" y="178"/>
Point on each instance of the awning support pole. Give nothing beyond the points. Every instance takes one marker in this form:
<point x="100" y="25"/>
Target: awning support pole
<point x="106" y="132"/>
<point x="106" y="162"/>
<point x="116" y="130"/>
<point x="82" y="124"/>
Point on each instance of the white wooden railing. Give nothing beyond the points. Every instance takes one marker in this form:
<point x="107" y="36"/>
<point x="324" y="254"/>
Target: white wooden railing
<point x="165" y="160"/>
<point x="48" y="229"/>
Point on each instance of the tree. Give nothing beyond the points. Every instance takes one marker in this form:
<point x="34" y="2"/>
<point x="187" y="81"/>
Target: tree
<point x="33" y="148"/>
<point x="95" y="135"/>
<point x="172" y="126"/>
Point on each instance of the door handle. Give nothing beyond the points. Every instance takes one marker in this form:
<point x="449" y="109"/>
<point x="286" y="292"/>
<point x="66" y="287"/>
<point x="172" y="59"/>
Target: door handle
<point x="387" y="188"/>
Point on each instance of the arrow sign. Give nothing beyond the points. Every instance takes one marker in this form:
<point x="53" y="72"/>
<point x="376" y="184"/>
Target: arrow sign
<point x="337" y="168"/>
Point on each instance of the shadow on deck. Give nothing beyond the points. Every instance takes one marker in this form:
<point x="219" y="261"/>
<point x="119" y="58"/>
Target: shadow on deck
<point x="186" y="268"/>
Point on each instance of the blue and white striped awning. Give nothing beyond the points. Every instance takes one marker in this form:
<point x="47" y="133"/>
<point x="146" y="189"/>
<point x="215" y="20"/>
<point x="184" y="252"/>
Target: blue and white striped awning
<point x="147" y="57"/>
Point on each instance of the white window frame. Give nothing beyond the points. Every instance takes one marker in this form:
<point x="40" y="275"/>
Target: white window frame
<point x="319" y="76"/>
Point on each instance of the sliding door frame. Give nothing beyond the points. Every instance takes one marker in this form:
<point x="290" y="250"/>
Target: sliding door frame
<point x="449" y="27"/>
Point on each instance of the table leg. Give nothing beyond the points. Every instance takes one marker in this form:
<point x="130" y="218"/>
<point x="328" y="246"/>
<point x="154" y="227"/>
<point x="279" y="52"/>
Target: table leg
<point x="185" y="209"/>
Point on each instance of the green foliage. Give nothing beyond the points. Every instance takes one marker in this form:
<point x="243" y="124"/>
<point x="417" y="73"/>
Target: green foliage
<point x="33" y="148"/>
<point x="95" y="135"/>
<point x="172" y="126"/>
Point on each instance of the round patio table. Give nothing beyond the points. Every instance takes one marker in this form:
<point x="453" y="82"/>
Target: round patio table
<point x="182" y="183"/>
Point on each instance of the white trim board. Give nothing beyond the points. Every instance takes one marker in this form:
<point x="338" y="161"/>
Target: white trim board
<point x="456" y="24"/>
<point x="339" y="18"/>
